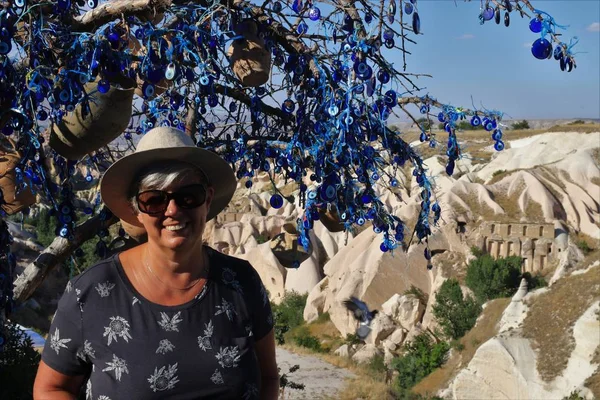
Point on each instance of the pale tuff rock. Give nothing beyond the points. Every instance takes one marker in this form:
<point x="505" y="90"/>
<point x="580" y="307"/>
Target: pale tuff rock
<point x="395" y="340"/>
<point x="516" y="311"/>
<point x="366" y="353"/>
<point x="271" y="272"/>
<point x="404" y="310"/>
<point x="505" y="367"/>
<point x="315" y="301"/>
<point x="381" y="327"/>
<point x="343" y="351"/>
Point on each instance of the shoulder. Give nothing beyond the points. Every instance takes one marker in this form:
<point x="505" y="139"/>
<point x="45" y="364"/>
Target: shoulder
<point x="233" y="271"/>
<point x="102" y="273"/>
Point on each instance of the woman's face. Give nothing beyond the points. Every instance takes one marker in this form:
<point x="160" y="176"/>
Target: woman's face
<point x="177" y="228"/>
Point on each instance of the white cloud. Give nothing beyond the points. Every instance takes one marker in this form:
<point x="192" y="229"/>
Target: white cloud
<point x="594" y="27"/>
<point x="466" y="36"/>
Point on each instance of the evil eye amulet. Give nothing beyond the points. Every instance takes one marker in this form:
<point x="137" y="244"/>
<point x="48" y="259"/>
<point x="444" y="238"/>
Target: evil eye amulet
<point x="535" y="25"/>
<point x="416" y="23"/>
<point x="541" y="49"/>
<point x="383" y="76"/>
<point x="277" y="7"/>
<point x="408" y="8"/>
<point x="499" y="145"/>
<point x="475" y="121"/>
<point x="288" y="106"/>
<point x="314" y="13"/>
<point x="488" y="14"/>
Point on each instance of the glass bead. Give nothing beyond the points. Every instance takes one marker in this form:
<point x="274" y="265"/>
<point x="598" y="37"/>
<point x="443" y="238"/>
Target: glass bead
<point x="389" y="43"/>
<point x="475" y="121"/>
<point x="213" y="100"/>
<point x="408" y="8"/>
<point x="488" y="14"/>
<point x="288" y="106"/>
<point x="277" y="7"/>
<point x="314" y="13"/>
<point x="416" y="23"/>
<point x="148" y="90"/>
<point x="276" y="201"/>
<point x="508" y="5"/>
<point x="499" y="145"/>
<point x="392" y="7"/>
<point x="42" y="115"/>
<point x="302" y="28"/>
<point x="450" y="168"/>
<point x="92" y="3"/>
<point x="497" y="135"/>
<point x="297" y="6"/>
<point x="391" y="98"/>
<point x="423" y="137"/>
<point x="558" y="51"/>
<point x="506" y="19"/>
<point x="383" y="247"/>
<point x="170" y="71"/>
<point x="535" y="25"/>
<point x="497" y="15"/>
<point x="383" y="76"/>
<point x="103" y="86"/>
<point x="541" y="49"/>
<point x="388" y="34"/>
<point x="368" y="18"/>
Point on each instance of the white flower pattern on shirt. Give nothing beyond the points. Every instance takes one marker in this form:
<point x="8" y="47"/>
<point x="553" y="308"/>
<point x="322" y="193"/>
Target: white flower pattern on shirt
<point x="134" y="300"/>
<point x="170" y="324"/>
<point x="118" y="326"/>
<point x="69" y="287"/>
<point x="251" y="392"/>
<point x="164" y="346"/>
<point x="87" y="352"/>
<point x="118" y="365"/>
<point x="104" y="289"/>
<point x="217" y="378"/>
<point x="226" y="308"/>
<point x="103" y="397"/>
<point x="228" y="277"/>
<point x="163" y="378"/>
<point x="228" y="357"/>
<point x="56" y="342"/>
<point x="205" y="342"/>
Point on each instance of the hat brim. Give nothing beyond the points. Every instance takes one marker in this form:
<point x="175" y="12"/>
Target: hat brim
<point x="117" y="180"/>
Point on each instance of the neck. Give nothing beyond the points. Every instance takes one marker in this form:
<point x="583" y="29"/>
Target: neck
<point x="166" y="262"/>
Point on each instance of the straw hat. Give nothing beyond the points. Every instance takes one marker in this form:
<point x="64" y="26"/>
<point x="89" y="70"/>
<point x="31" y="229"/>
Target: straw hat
<point x="165" y="144"/>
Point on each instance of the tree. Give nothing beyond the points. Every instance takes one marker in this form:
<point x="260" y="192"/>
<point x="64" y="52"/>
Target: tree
<point x="253" y="81"/>
<point x="489" y="278"/>
<point x="521" y="125"/>
<point x="455" y="313"/>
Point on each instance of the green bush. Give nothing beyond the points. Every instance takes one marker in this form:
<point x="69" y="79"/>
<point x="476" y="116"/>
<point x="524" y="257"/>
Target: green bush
<point x="574" y="395"/>
<point x="489" y="278"/>
<point x="584" y="246"/>
<point x="288" y="314"/>
<point x="521" y="125"/>
<point x="18" y="365"/>
<point x="424" y="123"/>
<point x="418" y="293"/>
<point x="477" y="252"/>
<point x="534" y="281"/>
<point x="456" y="344"/>
<point x="303" y="338"/>
<point x="455" y="313"/>
<point x="352" y="339"/>
<point x="466" y="126"/>
<point x="421" y="357"/>
<point x="498" y="172"/>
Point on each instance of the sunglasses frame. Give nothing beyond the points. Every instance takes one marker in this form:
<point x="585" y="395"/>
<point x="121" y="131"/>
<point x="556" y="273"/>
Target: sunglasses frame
<point x="169" y="196"/>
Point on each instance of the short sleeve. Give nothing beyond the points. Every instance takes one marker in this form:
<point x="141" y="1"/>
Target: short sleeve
<point x="260" y="307"/>
<point x="64" y="349"/>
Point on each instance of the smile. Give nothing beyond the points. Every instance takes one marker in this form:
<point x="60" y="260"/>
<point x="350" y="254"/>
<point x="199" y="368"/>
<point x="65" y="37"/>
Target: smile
<point x="175" y="227"/>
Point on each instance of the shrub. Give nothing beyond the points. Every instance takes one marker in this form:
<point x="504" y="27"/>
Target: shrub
<point x="455" y="313"/>
<point x="422" y="356"/>
<point x="574" y="395"/>
<point x="489" y="278"/>
<point x="424" y="123"/>
<point x="534" y="281"/>
<point x="498" y="172"/>
<point x="577" y="122"/>
<point x="18" y="365"/>
<point x="352" y="339"/>
<point x="521" y="125"/>
<point x="303" y="338"/>
<point x="418" y="293"/>
<point x="477" y="252"/>
<point x="456" y="344"/>
<point x="466" y="126"/>
<point x="584" y="246"/>
<point x="323" y="317"/>
<point x="288" y="314"/>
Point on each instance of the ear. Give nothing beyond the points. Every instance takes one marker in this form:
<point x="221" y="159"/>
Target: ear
<point x="210" y="194"/>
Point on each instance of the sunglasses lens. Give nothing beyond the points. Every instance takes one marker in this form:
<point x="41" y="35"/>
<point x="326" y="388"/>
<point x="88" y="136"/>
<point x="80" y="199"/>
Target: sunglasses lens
<point x="190" y="196"/>
<point x="152" y="202"/>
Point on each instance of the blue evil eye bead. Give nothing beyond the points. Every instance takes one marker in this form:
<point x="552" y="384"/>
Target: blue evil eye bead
<point x="63" y="5"/>
<point x="506" y="19"/>
<point x="475" y="121"/>
<point x="489" y="126"/>
<point x="408" y="8"/>
<point x="541" y="49"/>
<point x="277" y="7"/>
<point x="441" y="117"/>
<point x="103" y="86"/>
<point x="314" y="13"/>
<point x="204" y="80"/>
<point x="558" y="51"/>
<point x="5" y="46"/>
<point x="508" y="5"/>
<point x="364" y="71"/>
<point x="388" y="34"/>
<point x="423" y="137"/>
<point x="416" y="23"/>
<point x="497" y="135"/>
<point x="499" y="145"/>
<point x="450" y="167"/>
<point x="288" y="106"/>
<point x="276" y="201"/>
<point x="383" y="76"/>
<point x="488" y="14"/>
<point x="497" y="15"/>
<point x="424" y="109"/>
<point x="535" y="25"/>
<point x="391" y="98"/>
<point x="392" y="7"/>
<point x="383" y="247"/>
<point x="297" y="6"/>
<point x="92" y="3"/>
<point x="42" y="115"/>
<point x="427" y="254"/>
<point x="170" y="71"/>
<point x="302" y="28"/>
<point x="248" y="184"/>
<point x="333" y="110"/>
<point x="389" y="44"/>
<point x="148" y="90"/>
<point x="566" y="64"/>
<point x="328" y="192"/>
<point x="213" y="100"/>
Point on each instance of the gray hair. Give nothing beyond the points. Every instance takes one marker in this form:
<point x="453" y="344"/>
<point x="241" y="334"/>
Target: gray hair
<point x="161" y="176"/>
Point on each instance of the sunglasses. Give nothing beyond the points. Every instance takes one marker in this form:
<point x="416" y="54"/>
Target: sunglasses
<point x="155" y="202"/>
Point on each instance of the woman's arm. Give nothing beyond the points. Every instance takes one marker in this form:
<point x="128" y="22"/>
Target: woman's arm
<point x="52" y="385"/>
<point x="265" y="352"/>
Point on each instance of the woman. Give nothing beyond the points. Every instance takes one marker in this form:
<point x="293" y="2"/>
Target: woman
<point x="170" y="318"/>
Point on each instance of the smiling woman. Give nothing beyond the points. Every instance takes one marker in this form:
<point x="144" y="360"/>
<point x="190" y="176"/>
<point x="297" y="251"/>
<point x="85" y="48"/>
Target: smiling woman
<point x="170" y="316"/>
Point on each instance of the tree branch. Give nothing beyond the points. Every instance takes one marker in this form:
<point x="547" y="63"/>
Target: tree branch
<point x="114" y="9"/>
<point x="58" y="251"/>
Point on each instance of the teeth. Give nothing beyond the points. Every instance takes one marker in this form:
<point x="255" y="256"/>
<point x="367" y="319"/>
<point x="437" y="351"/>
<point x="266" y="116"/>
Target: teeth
<point x="175" y="227"/>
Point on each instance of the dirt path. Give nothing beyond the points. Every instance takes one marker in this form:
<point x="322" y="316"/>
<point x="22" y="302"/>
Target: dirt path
<point x="321" y="379"/>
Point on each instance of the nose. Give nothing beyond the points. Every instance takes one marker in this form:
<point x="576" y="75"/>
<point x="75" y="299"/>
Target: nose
<point x="172" y="208"/>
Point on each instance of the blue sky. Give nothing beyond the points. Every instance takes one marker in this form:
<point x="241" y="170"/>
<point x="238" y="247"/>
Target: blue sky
<point x="494" y="64"/>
